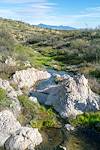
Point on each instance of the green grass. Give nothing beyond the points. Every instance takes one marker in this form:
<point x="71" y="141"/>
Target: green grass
<point x="4" y="100"/>
<point x="36" y="59"/>
<point x="86" y="119"/>
<point x="36" y="115"/>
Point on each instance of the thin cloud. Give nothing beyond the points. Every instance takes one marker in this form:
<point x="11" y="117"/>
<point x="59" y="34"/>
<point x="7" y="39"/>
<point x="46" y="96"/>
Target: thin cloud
<point x="22" y="1"/>
<point x="44" y="11"/>
<point x="39" y="8"/>
<point x="88" y="13"/>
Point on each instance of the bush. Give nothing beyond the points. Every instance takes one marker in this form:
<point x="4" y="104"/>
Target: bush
<point x="79" y="44"/>
<point x="95" y="73"/>
<point x="7" y="70"/>
<point x="87" y="119"/>
<point x="4" y="100"/>
<point x="36" y="115"/>
<point x="6" y="42"/>
<point x="28" y="105"/>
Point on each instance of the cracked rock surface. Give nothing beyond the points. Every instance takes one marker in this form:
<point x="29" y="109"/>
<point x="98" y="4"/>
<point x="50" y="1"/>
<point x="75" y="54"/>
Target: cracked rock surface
<point x="70" y="97"/>
<point x="24" y="138"/>
<point x="8" y="125"/>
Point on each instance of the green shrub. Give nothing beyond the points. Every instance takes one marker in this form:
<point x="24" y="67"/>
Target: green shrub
<point x="29" y="106"/>
<point x="79" y="44"/>
<point x="95" y="73"/>
<point x="36" y="124"/>
<point x="4" y="100"/>
<point x="6" y="42"/>
<point x="44" y="123"/>
<point x="87" y="119"/>
<point x="49" y="123"/>
<point x="35" y="114"/>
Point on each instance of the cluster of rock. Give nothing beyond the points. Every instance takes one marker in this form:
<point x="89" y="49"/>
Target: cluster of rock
<point x="70" y="97"/>
<point x="12" y="94"/>
<point x="23" y="78"/>
<point x="15" y="137"/>
<point x="29" y="77"/>
<point x="12" y="135"/>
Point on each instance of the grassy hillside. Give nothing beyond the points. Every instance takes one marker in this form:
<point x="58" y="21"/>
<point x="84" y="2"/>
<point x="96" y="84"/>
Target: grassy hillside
<point x="77" y="51"/>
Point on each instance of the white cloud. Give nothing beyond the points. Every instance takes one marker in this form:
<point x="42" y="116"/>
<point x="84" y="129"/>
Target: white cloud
<point x="22" y="1"/>
<point x="42" y="11"/>
<point x="29" y="10"/>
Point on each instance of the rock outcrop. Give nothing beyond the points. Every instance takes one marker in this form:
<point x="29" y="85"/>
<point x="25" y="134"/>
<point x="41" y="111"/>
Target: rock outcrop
<point x="70" y="97"/>
<point x="24" y="138"/>
<point x="12" y="94"/>
<point x="15" y="137"/>
<point x="27" y="78"/>
<point x="8" y="125"/>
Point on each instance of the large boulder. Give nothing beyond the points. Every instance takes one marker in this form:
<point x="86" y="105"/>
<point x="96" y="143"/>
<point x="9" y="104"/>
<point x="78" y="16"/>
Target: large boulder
<point x="12" y="94"/>
<point x="8" y="125"/>
<point x="28" y="78"/>
<point x="24" y="138"/>
<point x="70" y="97"/>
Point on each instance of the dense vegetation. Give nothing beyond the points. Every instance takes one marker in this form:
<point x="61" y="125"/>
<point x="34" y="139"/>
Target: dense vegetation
<point x="77" y="50"/>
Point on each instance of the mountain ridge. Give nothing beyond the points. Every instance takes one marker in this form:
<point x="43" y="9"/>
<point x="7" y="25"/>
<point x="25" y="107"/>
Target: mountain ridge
<point x="55" y="27"/>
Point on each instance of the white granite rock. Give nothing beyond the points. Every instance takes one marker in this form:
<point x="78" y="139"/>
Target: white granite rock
<point x="12" y="94"/>
<point x="70" y="97"/>
<point x="33" y="99"/>
<point x="8" y="125"/>
<point x="28" y="78"/>
<point x="24" y="138"/>
<point x="62" y="147"/>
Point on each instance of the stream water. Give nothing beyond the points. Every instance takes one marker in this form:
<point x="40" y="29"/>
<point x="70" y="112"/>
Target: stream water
<point x="80" y="139"/>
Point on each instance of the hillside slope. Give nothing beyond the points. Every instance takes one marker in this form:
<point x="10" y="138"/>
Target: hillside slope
<point x="77" y="50"/>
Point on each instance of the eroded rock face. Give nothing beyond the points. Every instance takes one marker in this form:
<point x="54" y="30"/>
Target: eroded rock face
<point x="12" y="94"/>
<point x="15" y="137"/>
<point x="27" y="78"/>
<point x="71" y="96"/>
<point x="24" y="138"/>
<point x="8" y="125"/>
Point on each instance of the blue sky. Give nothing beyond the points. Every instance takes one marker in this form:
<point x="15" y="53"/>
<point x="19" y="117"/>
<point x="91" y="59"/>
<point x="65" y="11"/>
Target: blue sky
<point x="76" y="13"/>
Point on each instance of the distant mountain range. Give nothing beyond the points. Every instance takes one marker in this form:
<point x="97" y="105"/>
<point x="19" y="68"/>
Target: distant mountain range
<point x="61" y="27"/>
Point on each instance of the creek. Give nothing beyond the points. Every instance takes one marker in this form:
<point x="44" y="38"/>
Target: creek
<point x="80" y="139"/>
